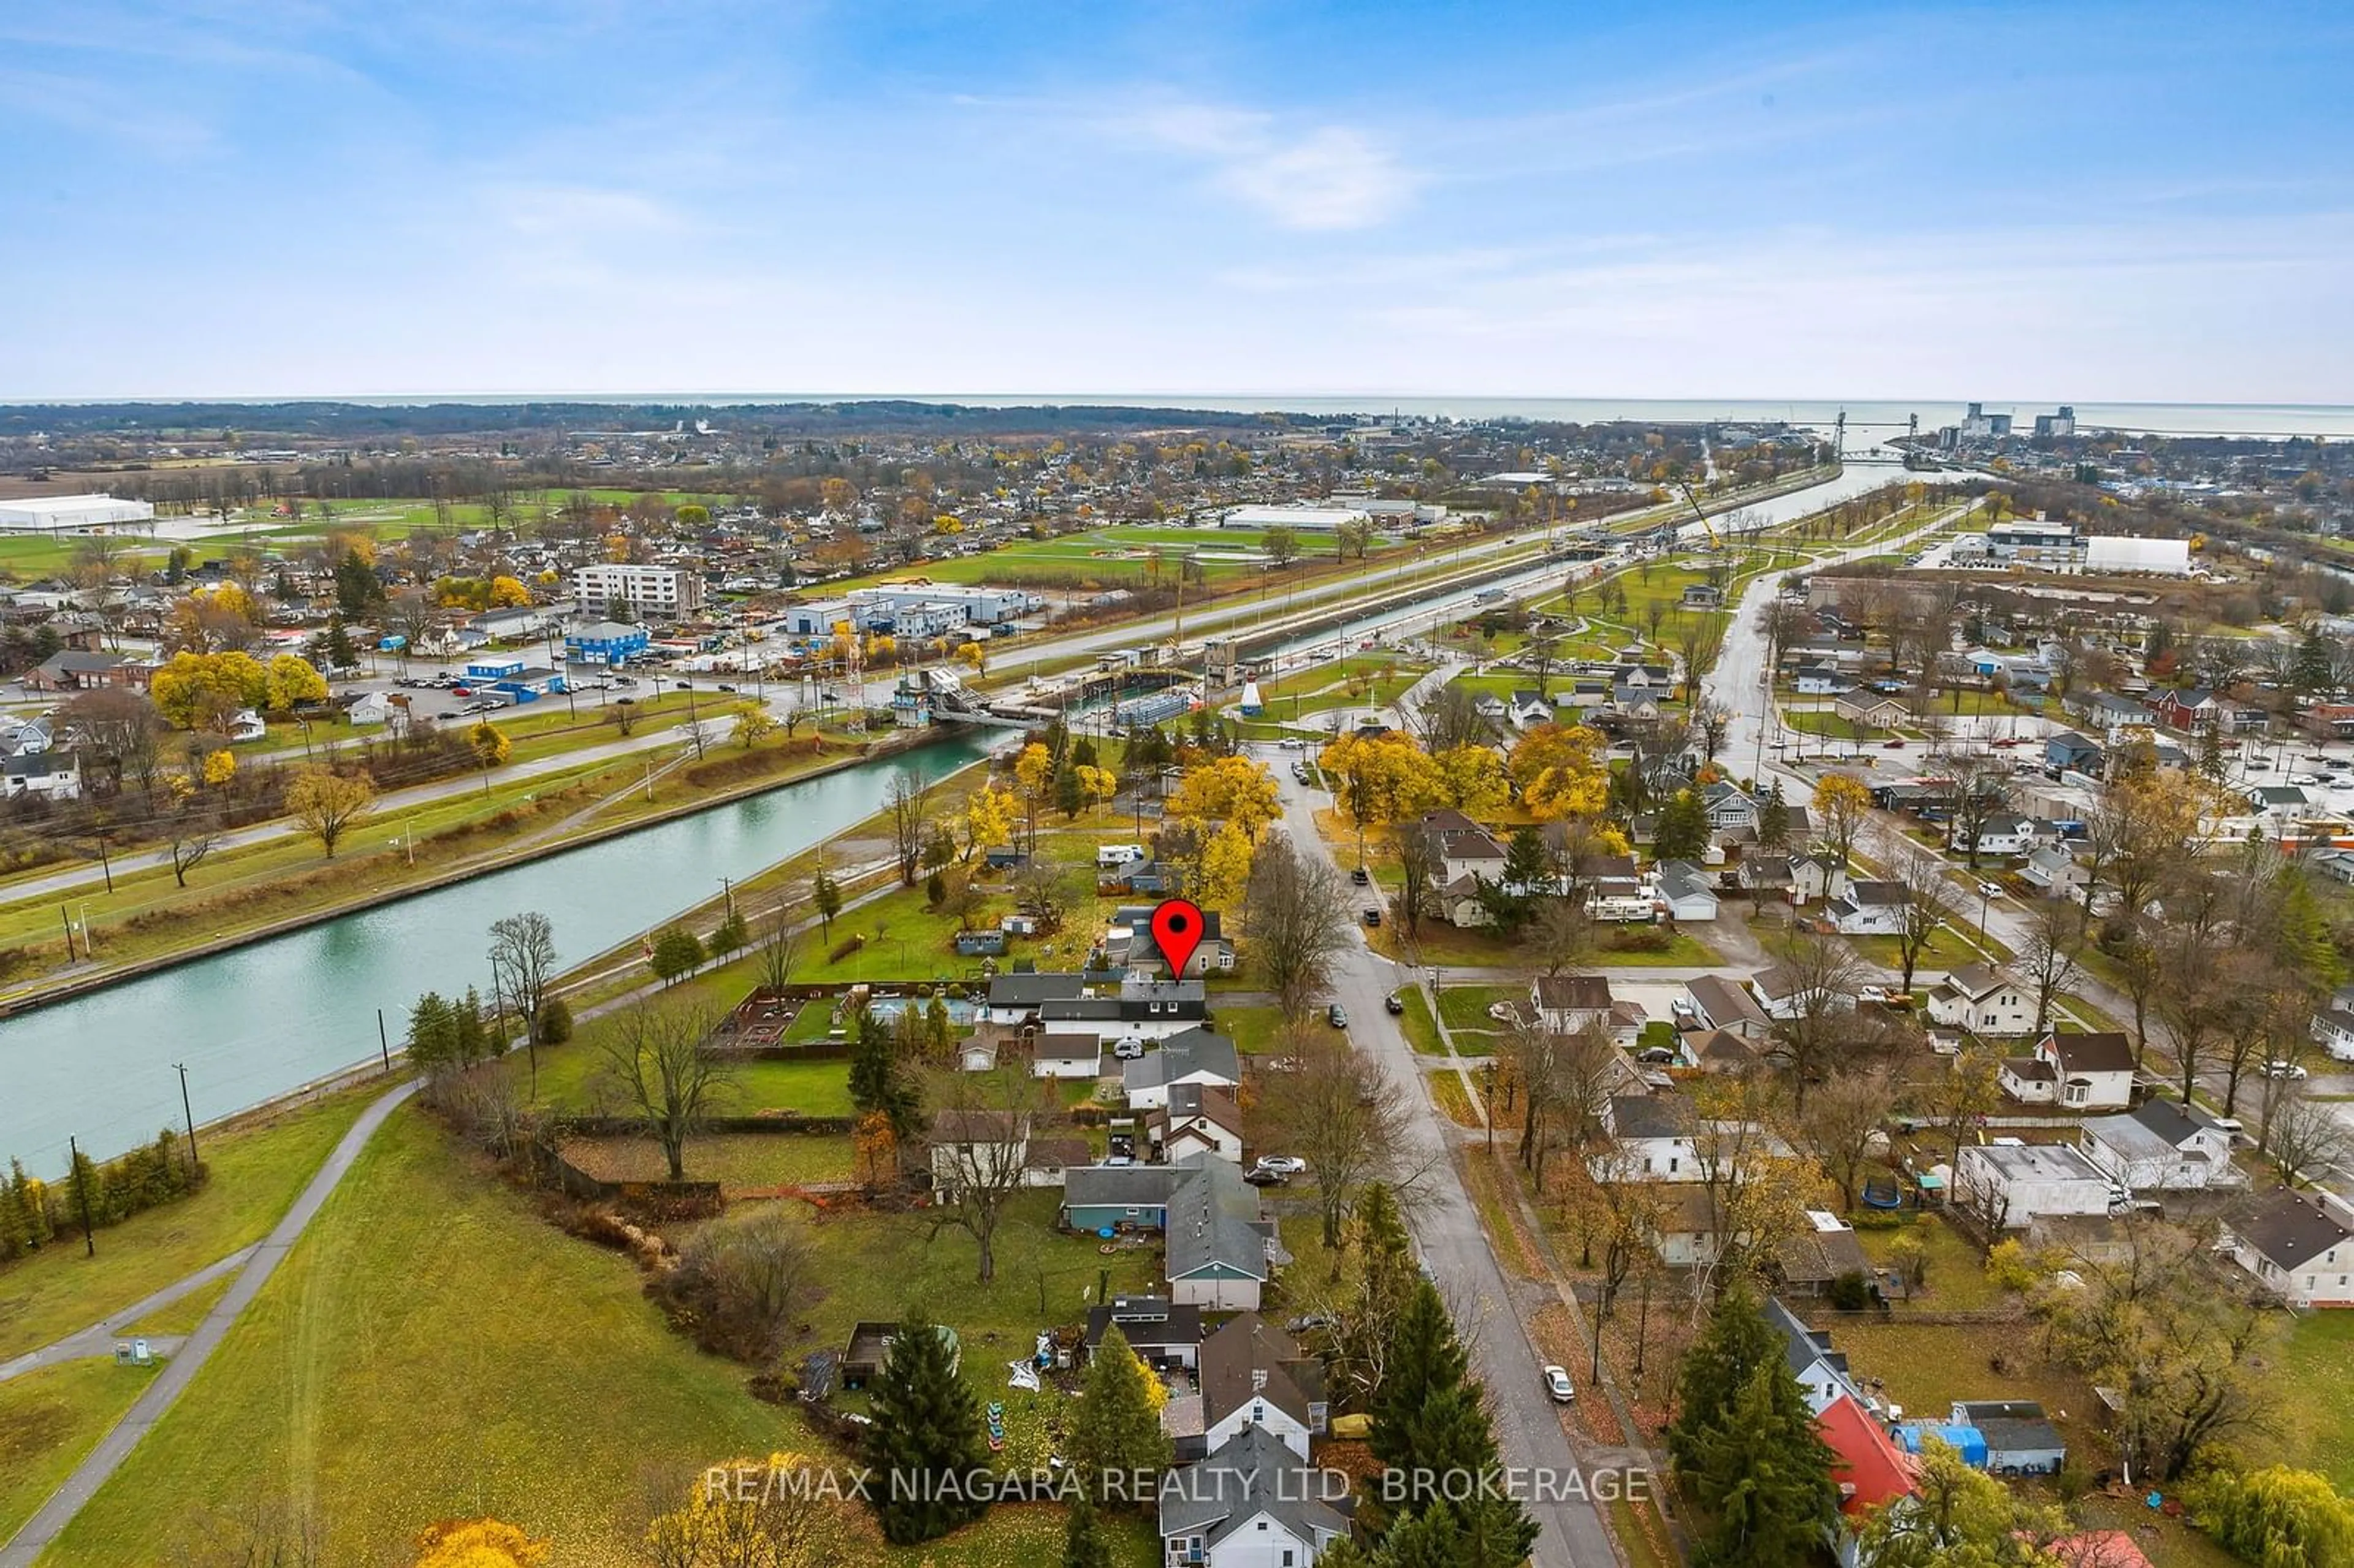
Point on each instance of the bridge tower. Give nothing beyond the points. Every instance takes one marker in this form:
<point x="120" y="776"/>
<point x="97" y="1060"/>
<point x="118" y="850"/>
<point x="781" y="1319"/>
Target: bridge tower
<point x="1839" y="436"/>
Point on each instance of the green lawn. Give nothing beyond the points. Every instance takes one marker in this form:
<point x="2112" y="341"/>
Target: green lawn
<point x="48" y="1420"/>
<point x="1421" y="1029"/>
<point x="2315" y="1411"/>
<point x="1253" y="1030"/>
<point x="182" y="1317"/>
<point x="737" y="1160"/>
<point x="1466" y="1006"/>
<point x="255" y="1175"/>
<point x="1956" y="1281"/>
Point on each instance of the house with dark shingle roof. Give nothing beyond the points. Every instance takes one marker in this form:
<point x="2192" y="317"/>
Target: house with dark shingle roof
<point x="2161" y="1146"/>
<point x="1652" y="1137"/>
<point x="2295" y="1249"/>
<point x="2081" y="1072"/>
<point x="1161" y="1331"/>
<point x="1192" y="1056"/>
<point x="1254" y="1375"/>
<point x="1822" y="1371"/>
<point x="1570" y="1002"/>
<point x="1250" y="1504"/>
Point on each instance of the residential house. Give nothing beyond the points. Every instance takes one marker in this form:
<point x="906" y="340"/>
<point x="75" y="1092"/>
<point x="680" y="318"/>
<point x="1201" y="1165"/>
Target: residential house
<point x="2020" y="1439"/>
<point x="1721" y="1051"/>
<point x="1528" y="709"/>
<point x="1815" y="878"/>
<point x="1162" y="1332"/>
<point x="1014" y="998"/>
<point x="1631" y="702"/>
<point x="2081" y="1072"/>
<point x="1195" y="1056"/>
<point x="1199" y="1117"/>
<point x="1684" y="1230"/>
<point x="1492" y="708"/>
<point x="985" y="1148"/>
<point x="1464" y="848"/>
<point x="1762" y="875"/>
<point x="1246" y="1506"/>
<point x="1870" y="909"/>
<point x="2009" y="1183"/>
<point x="2295" y="1249"/>
<point x="245" y="724"/>
<point x="1822" y="681"/>
<point x="2161" y="1146"/>
<point x="1254" y="1375"/>
<point x="1569" y="1002"/>
<point x="1822" y="1371"/>
<point x="1149" y="1009"/>
<point x="2069" y="752"/>
<point x="1781" y="994"/>
<point x="1870" y="1470"/>
<point x="1128" y="942"/>
<point x="1985" y="1001"/>
<point x="1653" y="1139"/>
<point x="1716" y="1003"/>
<point x="51" y="774"/>
<point x="2005" y="834"/>
<point x="2055" y="872"/>
<point x="1729" y="807"/>
<point x="2108" y="713"/>
<point x="1220" y="1251"/>
<point x="1872" y="710"/>
<point x="2333" y="1030"/>
<point x="1811" y="1261"/>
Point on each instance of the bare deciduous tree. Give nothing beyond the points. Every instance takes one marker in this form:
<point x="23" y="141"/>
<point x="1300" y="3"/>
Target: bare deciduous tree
<point x="1337" y="1111"/>
<point x="2304" y="1138"/>
<point x="523" y="962"/>
<point x="907" y="803"/>
<point x="1296" y="923"/>
<point x="980" y="1131"/>
<point x="1563" y="1078"/>
<point x="1844" y="1122"/>
<point x="781" y="936"/>
<point x="654" y="1055"/>
<point x="1927" y="898"/>
<point x="1822" y="977"/>
<point x="2050" y="957"/>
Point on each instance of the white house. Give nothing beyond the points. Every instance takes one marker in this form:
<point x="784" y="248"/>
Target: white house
<point x="985" y="1148"/>
<point x="1653" y="1141"/>
<point x="2054" y="871"/>
<point x="1197" y="1118"/>
<point x="1983" y="999"/>
<point x="2009" y="1183"/>
<point x="1869" y="909"/>
<point x="1729" y="809"/>
<point x="2081" y="1072"/>
<point x="1246" y="1506"/>
<point x="2291" y="1244"/>
<point x="2006" y="833"/>
<point x="1528" y="709"/>
<point x="1254" y="1375"/>
<point x="1822" y="1371"/>
<point x="1465" y="849"/>
<point x="1067" y="1055"/>
<point x="1714" y="1001"/>
<point x="1780" y="994"/>
<point x="55" y="775"/>
<point x="1195" y="1056"/>
<point x="246" y="725"/>
<point x="1569" y="1002"/>
<point x="2333" y="1030"/>
<point x="1819" y="681"/>
<point x="2161" y="1146"/>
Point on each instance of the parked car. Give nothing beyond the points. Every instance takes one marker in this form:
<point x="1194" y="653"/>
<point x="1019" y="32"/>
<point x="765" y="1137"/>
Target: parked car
<point x="1373" y="917"/>
<point x="1557" y="1385"/>
<point x="1289" y="1164"/>
<point x="725" y="687"/>
<point x="1394" y="1003"/>
<point x="1361" y="877"/>
<point x="2285" y="1070"/>
<point x="1894" y="746"/>
<point x="1265" y="1178"/>
<point x="1338" y="1014"/>
<point x="462" y="691"/>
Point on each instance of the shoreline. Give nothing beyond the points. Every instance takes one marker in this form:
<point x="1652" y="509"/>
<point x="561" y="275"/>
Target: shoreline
<point x="83" y="985"/>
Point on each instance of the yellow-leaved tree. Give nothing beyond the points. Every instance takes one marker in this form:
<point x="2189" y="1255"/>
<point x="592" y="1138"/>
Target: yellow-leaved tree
<point x="292" y="679"/>
<point x="217" y="767"/>
<point x="1472" y="779"/>
<point x="1560" y="771"/>
<point x="507" y="592"/>
<point x="989" y="818"/>
<point x="477" y="1544"/>
<point x="207" y="688"/>
<point x="1229" y="789"/>
<point x="1224" y="868"/>
<point x="785" y="1512"/>
<point x="1097" y="785"/>
<point x="1382" y="778"/>
<point x="1033" y="778"/>
<point x="1842" y="804"/>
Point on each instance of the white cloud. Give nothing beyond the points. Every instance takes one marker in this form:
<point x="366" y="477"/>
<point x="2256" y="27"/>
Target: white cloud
<point x="581" y="211"/>
<point x="1315" y="177"/>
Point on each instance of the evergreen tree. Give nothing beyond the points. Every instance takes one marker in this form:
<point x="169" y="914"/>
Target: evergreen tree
<point x="1526" y="863"/>
<point x="1428" y="1417"/>
<point x="676" y="952"/>
<point x="935" y="889"/>
<point x="1424" y="1360"/>
<point x="470" y="1040"/>
<point x="1760" y="1476"/>
<point x="1736" y="1342"/>
<point x="925" y="1444"/>
<point x="826" y="893"/>
<point x="1774" y="819"/>
<point x="1117" y="1429"/>
<point x="2305" y="948"/>
<point x="432" y="1032"/>
<point x="731" y="935"/>
<point x="1069" y="797"/>
<point x="877" y="1084"/>
<point x="358" y="593"/>
<point x="1083" y="753"/>
<point x="337" y="646"/>
<point x="1084" y="1546"/>
<point x="1682" y="830"/>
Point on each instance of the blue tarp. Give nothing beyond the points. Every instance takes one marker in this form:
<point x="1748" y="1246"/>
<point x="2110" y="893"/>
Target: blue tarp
<point x="1966" y="1441"/>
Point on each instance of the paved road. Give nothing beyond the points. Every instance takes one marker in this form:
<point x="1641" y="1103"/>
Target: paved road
<point x="1447" y="1229"/>
<point x="259" y="1262"/>
<point x="99" y="1338"/>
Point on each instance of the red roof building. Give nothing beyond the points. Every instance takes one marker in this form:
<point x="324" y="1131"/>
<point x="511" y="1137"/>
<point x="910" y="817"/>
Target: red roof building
<point x="1870" y="1469"/>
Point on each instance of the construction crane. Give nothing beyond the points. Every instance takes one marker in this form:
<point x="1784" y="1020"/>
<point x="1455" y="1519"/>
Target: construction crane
<point x="1706" y="527"/>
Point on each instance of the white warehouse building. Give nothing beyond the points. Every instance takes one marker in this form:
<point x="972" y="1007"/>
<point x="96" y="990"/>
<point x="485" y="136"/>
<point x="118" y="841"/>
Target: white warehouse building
<point x="70" y="513"/>
<point x="2121" y="553"/>
<point x="1318" y="517"/>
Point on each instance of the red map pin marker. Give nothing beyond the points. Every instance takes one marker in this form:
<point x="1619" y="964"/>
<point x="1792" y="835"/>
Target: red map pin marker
<point x="1177" y="932"/>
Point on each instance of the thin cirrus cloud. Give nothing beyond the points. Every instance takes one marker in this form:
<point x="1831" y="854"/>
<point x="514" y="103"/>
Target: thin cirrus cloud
<point x="1313" y="177"/>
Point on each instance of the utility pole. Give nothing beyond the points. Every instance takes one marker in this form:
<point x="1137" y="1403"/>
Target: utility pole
<point x="383" y="1041"/>
<point x="186" y="1112"/>
<point x="65" y="912"/>
<point x="82" y="1197"/>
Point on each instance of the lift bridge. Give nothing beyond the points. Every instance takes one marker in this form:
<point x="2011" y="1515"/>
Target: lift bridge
<point x="1148" y="695"/>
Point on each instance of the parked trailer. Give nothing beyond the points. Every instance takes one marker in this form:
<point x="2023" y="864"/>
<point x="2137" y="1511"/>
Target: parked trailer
<point x="1625" y="911"/>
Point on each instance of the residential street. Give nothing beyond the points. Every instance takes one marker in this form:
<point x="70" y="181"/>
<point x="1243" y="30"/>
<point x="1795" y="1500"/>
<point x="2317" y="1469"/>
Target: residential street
<point x="1529" y="1429"/>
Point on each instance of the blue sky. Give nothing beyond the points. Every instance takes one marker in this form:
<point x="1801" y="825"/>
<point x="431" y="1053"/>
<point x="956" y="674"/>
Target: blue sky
<point x="2088" y="201"/>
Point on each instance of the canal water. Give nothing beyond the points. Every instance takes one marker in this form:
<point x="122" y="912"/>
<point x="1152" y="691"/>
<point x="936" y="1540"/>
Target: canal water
<point x="256" y="1021"/>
